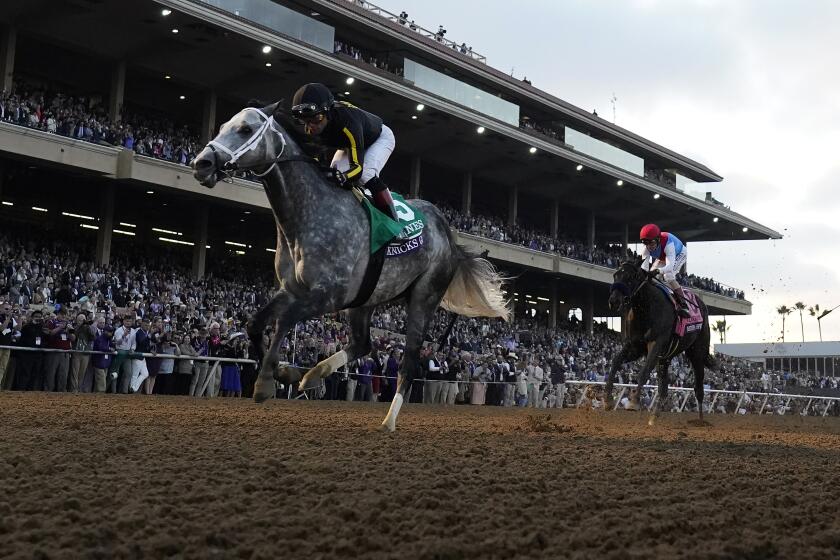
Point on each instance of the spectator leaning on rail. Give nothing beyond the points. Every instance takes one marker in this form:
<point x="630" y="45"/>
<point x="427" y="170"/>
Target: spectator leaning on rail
<point x="664" y="253"/>
<point x="84" y="334"/>
<point x="58" y="363"/>
<point x="363" y="142"/>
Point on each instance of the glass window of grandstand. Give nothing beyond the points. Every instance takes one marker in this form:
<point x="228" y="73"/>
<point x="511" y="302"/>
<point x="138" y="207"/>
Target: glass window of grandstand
<point x="282" y="19"/>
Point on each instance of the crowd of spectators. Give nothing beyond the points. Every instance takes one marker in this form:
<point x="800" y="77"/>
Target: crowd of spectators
<point x="53" y="296"/>
<point x="85" y="117"/>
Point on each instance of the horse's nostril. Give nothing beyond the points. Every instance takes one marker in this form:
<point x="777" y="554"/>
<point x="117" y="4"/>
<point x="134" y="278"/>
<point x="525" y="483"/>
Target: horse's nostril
<point x="202" y="163"/>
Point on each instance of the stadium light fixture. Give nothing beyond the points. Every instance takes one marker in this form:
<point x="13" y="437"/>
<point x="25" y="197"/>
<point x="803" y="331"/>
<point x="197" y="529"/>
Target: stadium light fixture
<point x="656" y="196"/>
<point x="150" y="192"/>
<point x="89" y="226"/>
<point x="532" y="150"/>
<point x="240" y="252"/>
<point x="235" y="244"/>
<point x="349" y="81"/>
<point x="579" y="167"/>
<point x="39" y="209"/>
<point x="414" y="117"/>
<point x="170" y="232"/>
<point x="208" y="246"/>
<point x="420" y="106"/>
<point x="480" y="130"/>
<point x="716" y="219"/>
<point x="619" y="183"/>
<point x="80" y="216"/>
<point x="165" y="12"/>
<point x="271" y="250"/>
<point x="266" y="49"/>
<point x="174" y="30"/>
<point x="346" y="93"/>
<point x="182" y="97"/>
<point x="7" y="203"/>
<point x="177" y="241"/>
<point x="542" y="298"/>
<point x="123" y="232"/>
<point x="167" y="77"/>
<point x="128" y="225"/>
<point x="745" y="229"/>
<point x="268" y="65"/>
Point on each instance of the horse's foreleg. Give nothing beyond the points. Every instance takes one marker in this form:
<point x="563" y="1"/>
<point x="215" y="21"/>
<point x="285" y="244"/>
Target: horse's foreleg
<point x="662" y="395"/>
<point x="628" y="353"/>
<point x="359" y="320"/>
<point x="654" y="349"/>
<point x="288" y="310"/>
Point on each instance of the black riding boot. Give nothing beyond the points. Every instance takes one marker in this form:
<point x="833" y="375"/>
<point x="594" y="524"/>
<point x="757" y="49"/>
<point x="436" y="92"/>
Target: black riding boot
<point x="684" y="311"/>
<point x="382" y="197"/>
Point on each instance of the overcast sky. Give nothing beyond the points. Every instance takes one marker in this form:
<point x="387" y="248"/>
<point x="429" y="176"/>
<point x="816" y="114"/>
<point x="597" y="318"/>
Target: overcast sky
<point x="750" y="88"/>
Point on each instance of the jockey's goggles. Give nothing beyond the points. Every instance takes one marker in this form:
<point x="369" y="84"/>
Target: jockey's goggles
<point x="308" y="112"/>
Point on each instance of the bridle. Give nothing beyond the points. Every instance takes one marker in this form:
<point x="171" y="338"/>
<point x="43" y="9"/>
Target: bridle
<point x="225" y="170"/>
<point x="625" y="289"/>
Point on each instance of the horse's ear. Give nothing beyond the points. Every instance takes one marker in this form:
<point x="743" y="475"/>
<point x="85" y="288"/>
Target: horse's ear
<point x="639" y="260"/>
<point x="275" y="108"/>
<point x="255" y="103"/>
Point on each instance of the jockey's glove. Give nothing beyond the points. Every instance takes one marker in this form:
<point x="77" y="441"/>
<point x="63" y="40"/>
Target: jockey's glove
<point x="340" y="178"/>
<point x="653" y="273"/>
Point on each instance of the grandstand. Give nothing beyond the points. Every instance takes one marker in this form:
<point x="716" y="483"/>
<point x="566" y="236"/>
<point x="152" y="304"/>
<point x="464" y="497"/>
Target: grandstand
<point x="155" y="80"/>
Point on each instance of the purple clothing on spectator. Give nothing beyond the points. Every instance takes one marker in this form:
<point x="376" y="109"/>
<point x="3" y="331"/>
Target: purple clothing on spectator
<point x="102" y="343"/>
<point x="364" y="376"/>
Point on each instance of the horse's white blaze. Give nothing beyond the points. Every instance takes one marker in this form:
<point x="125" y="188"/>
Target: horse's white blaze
<point x="390" y="421"/>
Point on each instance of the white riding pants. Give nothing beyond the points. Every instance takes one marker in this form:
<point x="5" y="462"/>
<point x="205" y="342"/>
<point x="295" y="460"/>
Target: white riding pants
<point x="376" y="156"/>
<point x="669" y="273"/>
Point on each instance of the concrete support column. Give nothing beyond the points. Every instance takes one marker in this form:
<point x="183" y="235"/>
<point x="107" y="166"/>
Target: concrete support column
<point x="115" y="101"/>
<point x="466" y="194"/>
<point x="200" y="247"/>
<point x="513" y="205"/>
<point x="106" y="227"/>
<point x="555" y="295"/>
<point x="625" y="237"/>
<point x="555" y="217"/>
<point x="589" y="310"/>
<point x="208" y="118"/>
<point x="8" y="45"/>
<point x="414" y="179"/>
<point x="590" y="231"/>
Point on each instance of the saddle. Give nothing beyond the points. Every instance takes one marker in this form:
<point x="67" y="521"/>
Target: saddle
<point x="683" y="326"/>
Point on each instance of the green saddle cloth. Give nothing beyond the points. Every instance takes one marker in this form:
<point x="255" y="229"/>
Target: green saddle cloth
<point x="384" y="230"/>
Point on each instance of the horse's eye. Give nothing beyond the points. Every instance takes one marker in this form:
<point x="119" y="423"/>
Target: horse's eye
<point x="245" y="129"/>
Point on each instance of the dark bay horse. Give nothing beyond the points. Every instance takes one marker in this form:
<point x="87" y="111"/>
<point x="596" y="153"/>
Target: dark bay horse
<point x="323" y="251"/>
<point x="649" y="317"/>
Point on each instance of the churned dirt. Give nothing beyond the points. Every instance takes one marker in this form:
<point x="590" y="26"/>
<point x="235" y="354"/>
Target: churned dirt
<point x="87" y="476"/>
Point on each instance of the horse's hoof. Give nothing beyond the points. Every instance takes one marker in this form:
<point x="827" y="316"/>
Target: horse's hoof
<point x="387" y="427"/>
<point x="651" y="420"/>
<point x="263" y="391"/>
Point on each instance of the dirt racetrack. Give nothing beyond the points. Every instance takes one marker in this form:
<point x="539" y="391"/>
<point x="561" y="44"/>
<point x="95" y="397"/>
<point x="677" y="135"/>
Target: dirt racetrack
<point x="87" y="476"/>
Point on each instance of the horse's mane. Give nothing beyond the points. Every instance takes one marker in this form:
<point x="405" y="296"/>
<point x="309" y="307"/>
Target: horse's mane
<point x="311" y="145"/>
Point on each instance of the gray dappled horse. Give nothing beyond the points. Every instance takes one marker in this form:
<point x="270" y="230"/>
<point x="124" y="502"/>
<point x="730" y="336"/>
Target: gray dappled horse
<point x="323" y="250"/>
<point x="649" y="331"/>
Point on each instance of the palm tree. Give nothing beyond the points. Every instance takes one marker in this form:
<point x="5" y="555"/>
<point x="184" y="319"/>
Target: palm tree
<point x="784" y="311"/>
<point x="721" y="328"/>
<point x="801" y="307"/>
<point x="814" y="310"/>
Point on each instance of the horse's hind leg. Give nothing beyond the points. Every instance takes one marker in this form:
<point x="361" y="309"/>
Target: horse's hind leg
<point x="359" y="320"/>
<point x="698" y="362"/>
<point x="422" y="302"/>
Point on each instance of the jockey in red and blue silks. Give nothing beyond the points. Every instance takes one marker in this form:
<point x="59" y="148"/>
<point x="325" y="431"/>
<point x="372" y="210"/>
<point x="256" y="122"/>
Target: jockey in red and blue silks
<point x="665" y="253"/>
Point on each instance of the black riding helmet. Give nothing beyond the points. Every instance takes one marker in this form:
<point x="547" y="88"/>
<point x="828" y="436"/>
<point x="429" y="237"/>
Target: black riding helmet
<point x="310" y="100"/>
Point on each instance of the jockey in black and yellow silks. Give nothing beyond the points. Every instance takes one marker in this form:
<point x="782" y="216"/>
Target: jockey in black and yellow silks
<point x="363" y="142"/>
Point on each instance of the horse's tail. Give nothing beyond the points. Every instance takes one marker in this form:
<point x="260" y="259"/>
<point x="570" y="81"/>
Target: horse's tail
<point x="476" y="288"/>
